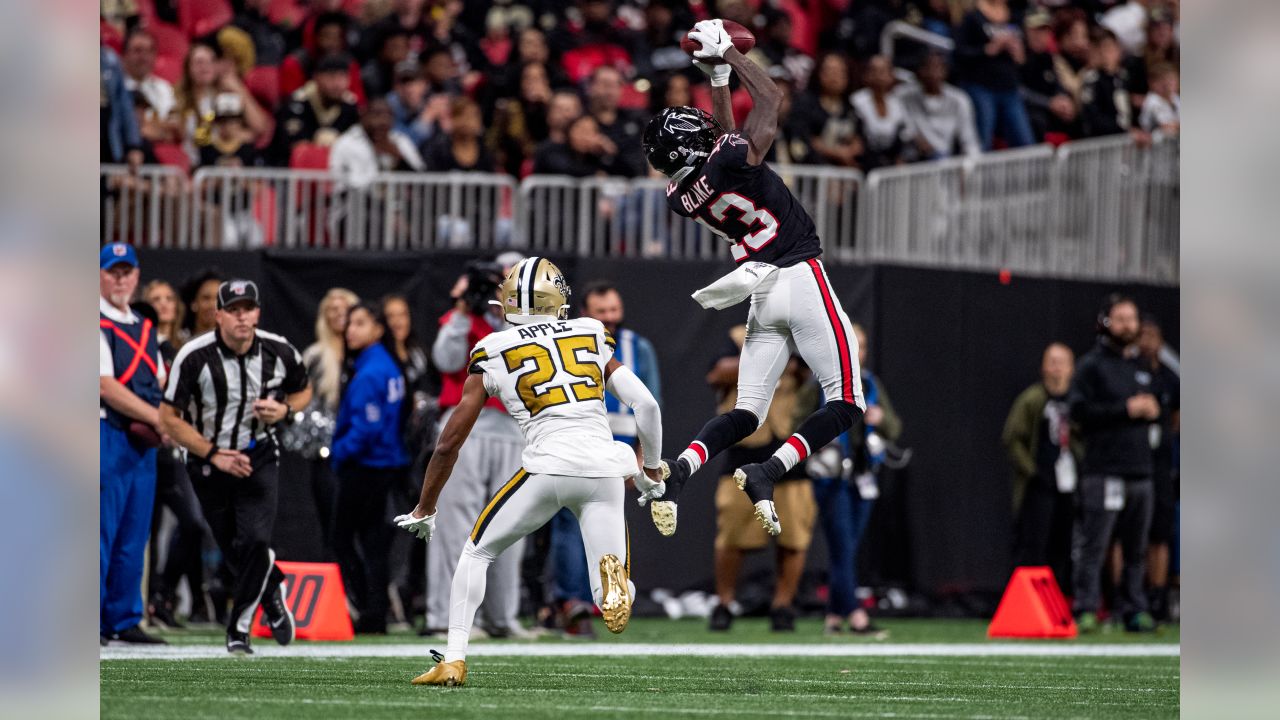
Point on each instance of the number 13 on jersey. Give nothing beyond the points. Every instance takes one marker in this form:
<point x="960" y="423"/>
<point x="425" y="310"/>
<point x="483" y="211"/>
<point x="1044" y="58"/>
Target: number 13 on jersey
<point x="761" y="222"/>
<point x="540" y="369"/>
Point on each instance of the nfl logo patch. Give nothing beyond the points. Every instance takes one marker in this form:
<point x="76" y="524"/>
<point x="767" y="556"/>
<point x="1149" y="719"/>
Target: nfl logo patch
<point x="237" y="287"/>
<point x="119" y="250"/>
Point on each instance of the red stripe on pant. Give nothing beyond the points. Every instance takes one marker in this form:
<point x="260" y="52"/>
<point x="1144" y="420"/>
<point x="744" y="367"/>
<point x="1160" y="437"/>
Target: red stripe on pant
<point x="842" y="341"/>
<point x="700" y="450"/>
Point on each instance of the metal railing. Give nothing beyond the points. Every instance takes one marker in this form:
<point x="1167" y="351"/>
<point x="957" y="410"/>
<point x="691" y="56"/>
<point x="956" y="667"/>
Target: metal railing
<point x="982" y="212"/>
<point x="147" y="207"/>
<point x="1102" y="209"/>
<point x="1116" y="210"/>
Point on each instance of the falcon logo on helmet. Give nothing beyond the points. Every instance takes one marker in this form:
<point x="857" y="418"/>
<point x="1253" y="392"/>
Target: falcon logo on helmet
<point x="678" y="141"/>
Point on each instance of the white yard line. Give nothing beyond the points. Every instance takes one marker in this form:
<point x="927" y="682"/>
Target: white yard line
<point x="422" y="650"/>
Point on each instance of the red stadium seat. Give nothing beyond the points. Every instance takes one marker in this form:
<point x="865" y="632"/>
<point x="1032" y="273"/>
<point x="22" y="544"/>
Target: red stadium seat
<point x="170" y="42"/>
<point x="201" y="17"/>
<point x="309" y="156"/>
<point x="173" y="155"/>
<point x="287" y="13"/>
<point x="110" y="36"/>
<point x="633" y="99"/>
<point x="169" y="68"/>
<point x="1057" y="138"/>
<point x="147" y="11"/>
<point x="264" y="84"/>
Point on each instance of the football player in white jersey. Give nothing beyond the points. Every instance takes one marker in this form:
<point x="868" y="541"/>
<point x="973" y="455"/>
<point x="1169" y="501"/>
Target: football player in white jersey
<point x="551" y="373"/>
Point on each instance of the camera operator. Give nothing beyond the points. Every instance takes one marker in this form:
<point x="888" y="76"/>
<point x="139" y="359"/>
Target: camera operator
<point x="489" y="458"/>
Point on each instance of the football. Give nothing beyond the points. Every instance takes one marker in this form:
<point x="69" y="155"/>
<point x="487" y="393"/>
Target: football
<point x="743" y="40"/>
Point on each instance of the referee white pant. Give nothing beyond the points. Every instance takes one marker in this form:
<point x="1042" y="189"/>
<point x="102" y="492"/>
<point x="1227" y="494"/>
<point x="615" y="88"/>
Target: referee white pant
<point x="524" y="504"/>
<point x="487" y="460"/>
<point x="796" y="311"/>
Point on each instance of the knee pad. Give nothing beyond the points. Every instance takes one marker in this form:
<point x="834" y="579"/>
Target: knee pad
<point x="845" y="412"/>
<point x="472" y="550"/>
<point x="745" y="421"/>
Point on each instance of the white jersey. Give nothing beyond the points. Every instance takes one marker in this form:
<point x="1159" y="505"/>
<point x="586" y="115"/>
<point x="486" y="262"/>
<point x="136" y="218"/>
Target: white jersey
<point x="550" y="377"/>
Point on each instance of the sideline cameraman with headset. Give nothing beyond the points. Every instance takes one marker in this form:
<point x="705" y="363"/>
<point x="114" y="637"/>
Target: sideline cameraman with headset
<point x="489" y="458"/>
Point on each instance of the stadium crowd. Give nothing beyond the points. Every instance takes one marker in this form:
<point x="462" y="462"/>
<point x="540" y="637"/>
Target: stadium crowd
<point x="382" y="380"/>
<point x="530" y="86"/>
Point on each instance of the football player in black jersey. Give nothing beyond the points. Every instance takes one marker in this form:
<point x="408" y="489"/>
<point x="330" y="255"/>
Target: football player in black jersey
<point x="718" y="178"/>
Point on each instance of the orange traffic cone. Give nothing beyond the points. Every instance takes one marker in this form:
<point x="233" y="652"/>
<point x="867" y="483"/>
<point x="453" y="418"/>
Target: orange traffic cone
<point x="317" y="600"/>
<point x="1032" y="607"/>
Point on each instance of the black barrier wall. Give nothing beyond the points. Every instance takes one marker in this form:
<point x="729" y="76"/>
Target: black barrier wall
<point x="953" y="349"/>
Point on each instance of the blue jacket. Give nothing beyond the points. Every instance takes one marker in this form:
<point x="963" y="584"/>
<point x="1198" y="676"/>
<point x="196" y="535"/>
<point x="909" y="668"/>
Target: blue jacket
<point x="368" y="428"/>
<point x="637" y="353"/>
<point x="122" y="128"/>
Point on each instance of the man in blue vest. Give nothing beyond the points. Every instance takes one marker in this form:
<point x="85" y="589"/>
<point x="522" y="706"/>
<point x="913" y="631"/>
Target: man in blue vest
<point x="130" y="378"/>
<point x="571" y="586"/>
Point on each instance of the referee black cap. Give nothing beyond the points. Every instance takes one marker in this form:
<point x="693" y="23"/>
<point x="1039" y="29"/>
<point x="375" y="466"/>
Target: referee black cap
<point x="236" y="291"/>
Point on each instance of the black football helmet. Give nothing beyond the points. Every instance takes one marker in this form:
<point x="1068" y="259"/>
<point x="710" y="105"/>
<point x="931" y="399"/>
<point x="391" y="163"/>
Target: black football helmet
<point x="678" y="140"/>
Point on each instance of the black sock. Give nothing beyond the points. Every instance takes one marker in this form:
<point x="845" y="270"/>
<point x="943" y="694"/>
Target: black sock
<point x="826" y="424"/>
<point x="719" y="434"/>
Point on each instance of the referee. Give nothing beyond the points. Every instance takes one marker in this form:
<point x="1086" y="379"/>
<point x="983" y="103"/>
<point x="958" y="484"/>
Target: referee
<point x="235" y="383"/>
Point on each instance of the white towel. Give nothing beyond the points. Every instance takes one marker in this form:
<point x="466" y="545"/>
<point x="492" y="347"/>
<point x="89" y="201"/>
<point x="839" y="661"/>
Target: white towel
<point x="734" y="287"/>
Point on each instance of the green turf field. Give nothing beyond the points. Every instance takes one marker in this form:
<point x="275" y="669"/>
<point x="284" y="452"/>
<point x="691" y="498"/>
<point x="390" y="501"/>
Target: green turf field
<point x="670" y="685"/>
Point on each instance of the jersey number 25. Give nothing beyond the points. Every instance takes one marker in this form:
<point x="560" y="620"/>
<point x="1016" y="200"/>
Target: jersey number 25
<point x="541" y="369"/>
<point x="764" y="224"/>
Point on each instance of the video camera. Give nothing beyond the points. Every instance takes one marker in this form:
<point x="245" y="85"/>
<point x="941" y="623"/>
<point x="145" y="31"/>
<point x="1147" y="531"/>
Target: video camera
<point x="483" y="279"/>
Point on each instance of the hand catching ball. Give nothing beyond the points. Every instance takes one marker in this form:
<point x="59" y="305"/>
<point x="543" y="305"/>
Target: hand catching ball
<point x="742" y="39"/>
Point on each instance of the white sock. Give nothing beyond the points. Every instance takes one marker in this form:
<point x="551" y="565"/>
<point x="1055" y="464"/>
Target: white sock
<point x="465" y="595"/>
<point x="795" y="449"/>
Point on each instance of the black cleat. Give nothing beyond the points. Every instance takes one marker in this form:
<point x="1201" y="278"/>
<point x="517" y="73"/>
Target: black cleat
<point x="663" y="509"/>
<point x="757" y="481"/>
<point x="238" y="643"/>
<point x="721" y="618"/>
<point x="783" y="619"/>
<point x="275" y="607"/>
<point x="137" y="636"/>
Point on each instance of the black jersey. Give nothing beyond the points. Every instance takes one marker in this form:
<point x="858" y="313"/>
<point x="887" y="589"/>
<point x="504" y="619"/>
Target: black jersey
<point x="747" y="204"/>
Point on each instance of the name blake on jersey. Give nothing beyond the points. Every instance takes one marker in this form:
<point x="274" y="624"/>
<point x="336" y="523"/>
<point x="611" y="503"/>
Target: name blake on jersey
<point x="698" y="194"/>
<point x="529" y="332"/>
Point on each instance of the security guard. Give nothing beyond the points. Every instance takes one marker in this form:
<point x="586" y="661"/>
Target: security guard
<point x="130" y="376"/>
<point x="229" y="388"/>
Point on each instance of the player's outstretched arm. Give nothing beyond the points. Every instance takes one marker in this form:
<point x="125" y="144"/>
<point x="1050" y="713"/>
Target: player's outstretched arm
<point x="627" y="387"/>
<point x="721" y="98"/>
<point x="455" y="433"/>
<point x="762" y="122"/>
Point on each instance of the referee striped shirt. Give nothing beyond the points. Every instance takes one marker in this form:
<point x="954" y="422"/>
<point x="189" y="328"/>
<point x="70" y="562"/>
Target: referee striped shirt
<point x="214" y="389"/>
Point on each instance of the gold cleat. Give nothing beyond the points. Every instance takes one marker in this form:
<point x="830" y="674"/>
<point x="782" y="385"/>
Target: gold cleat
<point x="664" y="511"/>
<point x="452" y="674"/>
<point x="664" y="516"/>
<point x="616" y="590"/>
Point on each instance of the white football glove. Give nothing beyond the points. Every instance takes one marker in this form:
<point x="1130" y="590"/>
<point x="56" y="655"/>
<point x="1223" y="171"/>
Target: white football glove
<point x="714" y="39"/>
<point x="422" y="527"/>
<point x="649" y="490"/>
<point x="719" y="74"/>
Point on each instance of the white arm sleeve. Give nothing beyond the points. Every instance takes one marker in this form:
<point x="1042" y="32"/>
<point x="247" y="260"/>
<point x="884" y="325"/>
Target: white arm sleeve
<point x="627" y="387"/>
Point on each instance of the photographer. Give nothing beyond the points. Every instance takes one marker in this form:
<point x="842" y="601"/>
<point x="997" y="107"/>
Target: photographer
<point x="489" y="458"/>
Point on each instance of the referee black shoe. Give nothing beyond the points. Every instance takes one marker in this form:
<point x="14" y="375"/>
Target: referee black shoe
<point x="275" y="607"/>
<point x="757" y="481"/>
<point x="238" y="643"/>
<point x="136" y="636"/>
<point x="663" y="509"/>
